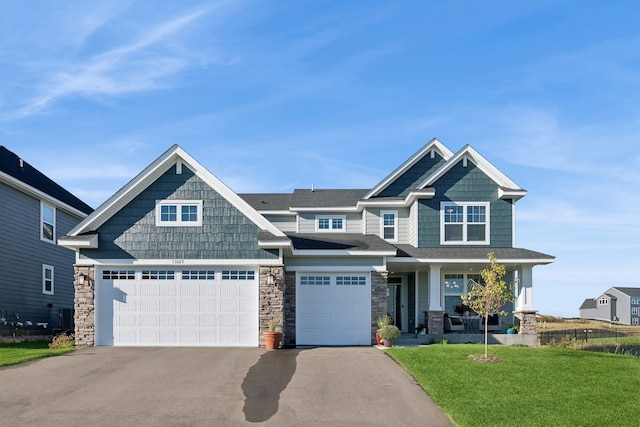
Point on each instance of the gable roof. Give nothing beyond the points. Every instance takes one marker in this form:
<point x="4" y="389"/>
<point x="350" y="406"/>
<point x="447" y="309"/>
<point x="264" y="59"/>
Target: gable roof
<point x="268" y="202"/>
<point x="632" y="292"/>
<point x="433" y="145"/>
<point x="588" y="304"/>
<point x="508" y="188"/>
<point x="475" y="254"/>
<point x="18" y="173"/>
<point x="173" y="156"/>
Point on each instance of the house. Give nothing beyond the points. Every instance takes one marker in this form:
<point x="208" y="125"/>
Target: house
<point x="36" y="284"/>
<point x="616" y="304"/>
<point x="177" y="258"/>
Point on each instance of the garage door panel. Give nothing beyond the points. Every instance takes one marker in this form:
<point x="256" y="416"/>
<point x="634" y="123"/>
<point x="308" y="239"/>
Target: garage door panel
<point x="167" y="290"/>
<point x="167" y="320"/>
<point x="333" y="309"/>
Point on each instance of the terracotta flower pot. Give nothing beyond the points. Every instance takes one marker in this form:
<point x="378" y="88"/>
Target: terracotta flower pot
<point x="388" y="343"/>
<point x="272" y="340"/>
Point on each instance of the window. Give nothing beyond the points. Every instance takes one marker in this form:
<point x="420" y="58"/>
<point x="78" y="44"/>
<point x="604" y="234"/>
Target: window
<point x="47" y="279"/>
<point x="634" y="321"/>
<point x="603" y="301"/>
<point x="238" y="275"/>
<point x="351" y="280"/>
<point x="158" y="275"/>
<point x="47" y="223"/>
<point x="119" y="274"/>
<point x="635" y="300"/>
<point x="198" y="275"/>
<point x="183" y="213"/>
<point x="634" y="310"/>
<point x="456" y="285"/>
<point x="389" y="225"/>
<point x="466" y="223"/>
<point x="315" y="280"/>
<point x="330" y="223"/>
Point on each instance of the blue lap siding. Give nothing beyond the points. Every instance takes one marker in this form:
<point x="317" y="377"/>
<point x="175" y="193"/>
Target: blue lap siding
<point x="225" y="232"/>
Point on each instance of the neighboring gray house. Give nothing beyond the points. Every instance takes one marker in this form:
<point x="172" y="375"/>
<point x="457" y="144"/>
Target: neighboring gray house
<point x="177" y="258"/>
<point x="615" y="304"/>
<point x="36" y="280"/>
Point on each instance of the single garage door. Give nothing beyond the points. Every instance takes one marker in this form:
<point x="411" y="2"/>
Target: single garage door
<point x="333" y="309"/>
<point x="186" y="307"/>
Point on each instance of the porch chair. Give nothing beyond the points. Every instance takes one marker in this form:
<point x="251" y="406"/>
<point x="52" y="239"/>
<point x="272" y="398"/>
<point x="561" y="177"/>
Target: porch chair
<point x="453" y="323"/>
<point x="494" y="324"/>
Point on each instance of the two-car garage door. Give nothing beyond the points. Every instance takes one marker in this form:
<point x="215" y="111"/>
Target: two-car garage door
<point x="177" y="307"/>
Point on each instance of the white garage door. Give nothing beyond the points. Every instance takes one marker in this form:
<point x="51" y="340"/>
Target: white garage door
<point x="333" y="309"/>
<point x="161" y="307"/>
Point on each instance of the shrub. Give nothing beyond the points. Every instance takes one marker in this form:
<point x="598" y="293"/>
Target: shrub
<point x="389" y="332"/>
<point x="62" y="341"/>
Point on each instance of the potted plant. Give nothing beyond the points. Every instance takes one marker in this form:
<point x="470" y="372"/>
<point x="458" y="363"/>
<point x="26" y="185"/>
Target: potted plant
<point x="382" y="321"/>
<point x="272" y="337"/>
<point x="512" y="329"/>
<point x="389" y="333"/>
<point x="421" y="329"/>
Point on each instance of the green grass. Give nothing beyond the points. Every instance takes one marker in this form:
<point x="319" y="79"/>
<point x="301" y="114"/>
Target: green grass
<point x="11" y="354"/>
<point x="529" y="387"/>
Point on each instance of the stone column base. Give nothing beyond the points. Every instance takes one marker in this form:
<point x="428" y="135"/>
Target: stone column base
<point x="527" y="320"/>
<point x="435" y="322"/>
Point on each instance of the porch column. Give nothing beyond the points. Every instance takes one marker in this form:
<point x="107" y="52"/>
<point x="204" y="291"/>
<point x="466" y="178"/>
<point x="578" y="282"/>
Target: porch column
<point x="436" y="313"/>
<point x="525" y="312"/>
<point x="84" y="305"/>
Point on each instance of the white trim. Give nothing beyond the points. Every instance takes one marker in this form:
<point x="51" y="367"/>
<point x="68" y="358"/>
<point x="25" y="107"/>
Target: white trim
<point x="276" y="213"/>
<point x="395" y="225"/>
<point x="513" y="224"/>
<point x="340" y="269"/>
<point x="54" y="230"/>
<point x="179" y="204"/>
<point x="40" y="195"/>
<point x="364" y="221"/>
<point x="331" y="218"/>
<point x="468" y="152"/>
<point x="326" y="209"/>
<point x="433" y="145"/>
<point x="465" y="224"/>
<point x="90" y="242"/>
<point x="322" y="252"/>
<point x="272" y="244"/>
<point x="46" y="267"/>
<point x="178" y="263"/>
<point x="150" y="174"/>
<point x="511" y="194"/>
<point x="443" y="261"/>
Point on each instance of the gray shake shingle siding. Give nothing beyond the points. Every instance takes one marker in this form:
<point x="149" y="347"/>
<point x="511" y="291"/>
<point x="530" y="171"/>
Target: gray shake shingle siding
<point x="225" y="234"/>
<point x="465" y="184"/>
<point x="413" y="177"/>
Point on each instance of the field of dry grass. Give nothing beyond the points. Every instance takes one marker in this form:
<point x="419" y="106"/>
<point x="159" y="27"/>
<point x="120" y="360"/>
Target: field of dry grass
<point x="551" y="323"/>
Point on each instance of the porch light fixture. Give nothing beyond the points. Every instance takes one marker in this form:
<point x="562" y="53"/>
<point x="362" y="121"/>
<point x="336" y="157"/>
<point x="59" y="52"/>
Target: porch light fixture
<point x="271" y="278"/>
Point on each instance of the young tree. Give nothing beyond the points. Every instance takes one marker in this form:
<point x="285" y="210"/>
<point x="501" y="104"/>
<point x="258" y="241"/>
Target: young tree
<point x="488" y="299"/>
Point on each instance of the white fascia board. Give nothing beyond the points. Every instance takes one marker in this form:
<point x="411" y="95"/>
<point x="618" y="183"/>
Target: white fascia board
<point x="178" y="263"/>
<point x="334" y="269"/>
<point x="434" y="144"/>
<point x="152" y="172"/>
<point x="289" y="213"/>
<point x="321" y="252"/>
<point x="274" y="244"/>
<point x="400" y="203"/>
<point x="90" y="242"/>
<point x="511" y="194"/>
<point x="41" y="195"/>
<point x="482" y="261"/>
<point x="485" y="166"/>
<point x="327" y="209"/>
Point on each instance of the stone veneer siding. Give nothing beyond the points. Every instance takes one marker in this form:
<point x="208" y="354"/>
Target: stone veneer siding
<point x="289" y="338"/>
<point x="527" y="322"/>
<point x="378" y="300"/>
<point x="84" y="305"/>
<point x="435" y="322"/>
<point x="271" y="299"/>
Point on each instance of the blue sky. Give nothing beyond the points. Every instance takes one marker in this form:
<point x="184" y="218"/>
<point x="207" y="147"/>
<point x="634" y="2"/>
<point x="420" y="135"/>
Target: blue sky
<point x="276" y="95"/>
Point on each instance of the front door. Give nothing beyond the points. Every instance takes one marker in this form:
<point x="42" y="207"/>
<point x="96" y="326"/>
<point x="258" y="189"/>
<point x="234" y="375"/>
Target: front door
<point x="394" y="300"/>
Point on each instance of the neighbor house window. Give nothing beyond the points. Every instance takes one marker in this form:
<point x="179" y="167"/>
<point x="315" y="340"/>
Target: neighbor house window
<point x="466" y="223"/>
<point x="603" y="301"/>
<point x="634" y="310"/>
<point x="47" y="223"/>
<point x="184" y="213"/>
<point x="634" y="321"/>
<point x="330" y="223"/>
<point x="635" y="300"/>
<point x="47" y="279"/>
<point x="389" y="225"/>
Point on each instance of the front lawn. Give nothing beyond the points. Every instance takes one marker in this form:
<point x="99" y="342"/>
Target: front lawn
<point x="529" y="387"/>
<point x="10" y="354"/>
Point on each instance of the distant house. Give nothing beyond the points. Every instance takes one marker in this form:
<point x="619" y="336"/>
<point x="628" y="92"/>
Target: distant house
<point x="36" y="280"/>
<point x="617" y="304"/>
<point x="177" y="258"/>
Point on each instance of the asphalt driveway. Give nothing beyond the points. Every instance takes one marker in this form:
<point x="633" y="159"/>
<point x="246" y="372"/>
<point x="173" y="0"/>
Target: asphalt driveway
<point x="105" y="386"/>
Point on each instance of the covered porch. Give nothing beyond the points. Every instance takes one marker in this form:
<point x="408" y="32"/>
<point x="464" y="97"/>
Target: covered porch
<point x="424" y="287"/>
